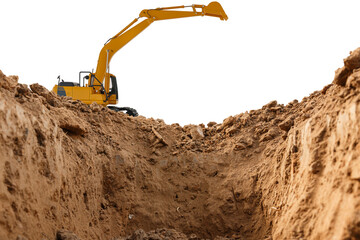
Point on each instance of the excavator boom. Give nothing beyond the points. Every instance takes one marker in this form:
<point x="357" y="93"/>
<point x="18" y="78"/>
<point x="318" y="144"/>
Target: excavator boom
<point x="114" y="44"/>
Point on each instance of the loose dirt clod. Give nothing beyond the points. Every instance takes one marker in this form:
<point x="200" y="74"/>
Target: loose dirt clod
<point x="279" y="172"/>
<point x="66" y="235"/>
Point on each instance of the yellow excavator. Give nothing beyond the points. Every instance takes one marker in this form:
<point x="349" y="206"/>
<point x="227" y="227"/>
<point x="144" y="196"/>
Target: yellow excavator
<point x="101" y="86"/>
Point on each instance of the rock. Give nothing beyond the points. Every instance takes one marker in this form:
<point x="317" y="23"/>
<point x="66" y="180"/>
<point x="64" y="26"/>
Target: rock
<point x="243" y="142"/>
<point x="22" y="90"/>
<point x="286" y="124"/>
<point x="196" y="133"/>
<point x="353" y="80"/>
<point x="275" y="109"/>
<point x="293" y="102"/>
<point x="271" y="134"/>
<point x="350" y="63"/>
<point x="50" y="97"/>
<point x="228" y="121"/>
<point x="211" y="124"/>
<point x="239" y="146"/>
<point x="159" y="138"/>
<point x="8" y="82"/>
<point x="138" y="235"/>
<point x="244" y="119"/>
<point x="261" y="130"/>
<point x="341" y="75"/>
<point x="66" y="235"/>
<point x="193" y="236"/>
<point x="270" y="105"/>
<point x="324" y="90"/>
<point x="69" y="122"/>
<point x="353" y="61"/>
<point x="231" y="130"/>
<point x="72" y="126"/>
<point x="20" y="237"/>
<point x="40" y="90"/>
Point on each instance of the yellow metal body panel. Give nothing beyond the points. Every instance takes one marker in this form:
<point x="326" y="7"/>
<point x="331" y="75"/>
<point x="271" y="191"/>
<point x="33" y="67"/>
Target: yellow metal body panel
<point x="86" y="95"/>
<point x="81" y="93"/>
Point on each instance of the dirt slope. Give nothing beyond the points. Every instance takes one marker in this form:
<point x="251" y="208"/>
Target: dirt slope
<point x="280" y="172"/>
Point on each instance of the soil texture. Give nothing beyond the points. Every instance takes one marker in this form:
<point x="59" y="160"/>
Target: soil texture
<point x="74" y="171"/>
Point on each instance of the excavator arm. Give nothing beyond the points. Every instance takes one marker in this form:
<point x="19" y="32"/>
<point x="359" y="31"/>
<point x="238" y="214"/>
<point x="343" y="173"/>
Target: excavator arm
<point x="214" y="9"/>
<point x="114" y="44"/>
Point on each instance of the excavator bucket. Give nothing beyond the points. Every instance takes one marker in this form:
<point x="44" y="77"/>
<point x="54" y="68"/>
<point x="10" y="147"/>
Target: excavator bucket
<point x="215" y="9"/>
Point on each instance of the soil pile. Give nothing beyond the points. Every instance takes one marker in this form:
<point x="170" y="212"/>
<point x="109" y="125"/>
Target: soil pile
<point x="73" y="171"/>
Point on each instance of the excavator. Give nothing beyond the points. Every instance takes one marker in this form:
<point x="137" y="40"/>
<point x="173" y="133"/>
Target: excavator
<point x="101" y="86"/>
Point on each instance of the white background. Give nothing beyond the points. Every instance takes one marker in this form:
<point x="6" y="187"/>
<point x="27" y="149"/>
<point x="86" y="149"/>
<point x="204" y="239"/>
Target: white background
<point x="192" y="70"/>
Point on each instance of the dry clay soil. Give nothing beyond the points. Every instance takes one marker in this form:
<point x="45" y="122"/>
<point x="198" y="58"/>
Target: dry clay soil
<point x="73" y="171"/>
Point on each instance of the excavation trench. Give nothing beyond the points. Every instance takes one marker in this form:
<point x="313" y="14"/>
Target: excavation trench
<point x="65" y="167"/>
<point x="192" y="193"/>
<point x="83" y="171"/>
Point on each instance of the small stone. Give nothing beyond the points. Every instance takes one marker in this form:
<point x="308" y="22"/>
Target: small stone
<point x="66" y="235"/>
<point x="286" y="124"/>
<point x="271" y="134"/>
<point x="211" y="124"/>
<point x="239" y="146"/>
<point x="353" y="61"/>
<point x="196" y="133"/>
<point x="275" y="109"/>
<point x="228" y="121"/>
<point x="324" y="90"/>
<point x="341" y="75"/>
<point x="194" y="237"/>
<point x="19" y="237"/>
<point x="270" y="105"/>
<point x="22" y="89"/>
<point x="293" y="102"/>
<point x="72" y="126"/>
<point x="230" y="131"/>
<point x="8" y="82"/>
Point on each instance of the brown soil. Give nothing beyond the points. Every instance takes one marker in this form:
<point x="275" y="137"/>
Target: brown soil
<point x="69" y="170"/>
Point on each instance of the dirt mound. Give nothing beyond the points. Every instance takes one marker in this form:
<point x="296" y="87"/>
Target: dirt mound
<point x="279" y="172"/>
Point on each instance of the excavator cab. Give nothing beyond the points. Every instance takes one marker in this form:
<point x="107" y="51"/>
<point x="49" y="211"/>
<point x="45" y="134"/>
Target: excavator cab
<point x="113" y="87"/>
<point x="86" y="91"/>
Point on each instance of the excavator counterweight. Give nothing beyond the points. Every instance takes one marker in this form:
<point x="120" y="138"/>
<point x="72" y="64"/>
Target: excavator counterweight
<point x="101" y="86"/>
